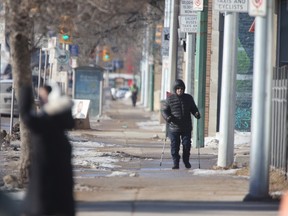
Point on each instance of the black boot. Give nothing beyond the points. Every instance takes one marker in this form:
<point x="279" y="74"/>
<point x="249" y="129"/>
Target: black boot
<point x="176" y="166"/>
<point x="176" y="163"/>
<point x="186" y="160"/>
<point x="187" y="164"/>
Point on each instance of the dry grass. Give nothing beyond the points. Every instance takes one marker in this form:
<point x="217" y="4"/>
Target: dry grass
<point x="278" y="182"/>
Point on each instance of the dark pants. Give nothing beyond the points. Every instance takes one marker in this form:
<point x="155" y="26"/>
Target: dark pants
<point x="134" y="99"/>
<point x="176" y="138"/>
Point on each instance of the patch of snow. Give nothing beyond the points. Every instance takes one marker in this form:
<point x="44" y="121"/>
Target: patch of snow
<point x="240" y="139"/>
<point x="105" y="117"/>
<point x="87" y="144"/>
<point x="122" y="174"/>
<point x="94" y="162"/>
<point x="150" y="125"/>
<point x="205" y="172"/>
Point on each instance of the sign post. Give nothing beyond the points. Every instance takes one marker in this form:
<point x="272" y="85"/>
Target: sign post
<point x="229" y="71"/>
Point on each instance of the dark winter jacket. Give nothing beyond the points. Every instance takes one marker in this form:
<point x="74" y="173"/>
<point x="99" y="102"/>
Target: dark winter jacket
<point x="177" y="110"/>
<point x="50" y="188"/>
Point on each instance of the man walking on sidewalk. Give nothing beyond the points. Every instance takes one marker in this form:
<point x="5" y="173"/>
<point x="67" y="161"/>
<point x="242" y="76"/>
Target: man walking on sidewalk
<point x="177" y="111"/>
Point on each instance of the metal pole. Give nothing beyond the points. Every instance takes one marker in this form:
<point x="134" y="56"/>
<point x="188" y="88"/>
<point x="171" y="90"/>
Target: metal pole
<point x="261" y="108"/>
<point x="227" y="111"/>
<point x="146" y="82"/>
<point x="12" y="109"/>
<point x="173" y="44"/>
<point x="190" y="63"/>
<point x="101" y="98"/>
<point x="39" y="72"/>
<point x="142" y="77"/>
<point x="167" y="21"/>
<point x="151" y="71"/>
<point x="0" y="73"/>
<point x="200" y="74"/>
<point x="45" y="68"/>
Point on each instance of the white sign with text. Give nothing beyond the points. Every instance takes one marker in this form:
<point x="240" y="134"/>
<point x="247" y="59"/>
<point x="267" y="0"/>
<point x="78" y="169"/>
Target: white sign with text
<point x="188" y="24"/>
<point x="231" y="5"/>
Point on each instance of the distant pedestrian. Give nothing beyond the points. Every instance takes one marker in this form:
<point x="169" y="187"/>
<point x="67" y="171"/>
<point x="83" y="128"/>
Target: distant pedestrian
<point x="50" y="187"/>
<point x="134" y="91"/>
<point x="177" y="111"/>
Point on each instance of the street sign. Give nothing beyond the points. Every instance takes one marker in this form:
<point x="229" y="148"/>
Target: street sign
<point x="198" y="5"/>
<point x="257" y="7"/>
<point x="190" y="7"/>
<point x="63" y="56"/>
<point x="74" y="50"/>
<point x="231" y="5"/>
<point x="186" y="7"/>
<point x="165" y="41"/>
<point x="188" y="24"/>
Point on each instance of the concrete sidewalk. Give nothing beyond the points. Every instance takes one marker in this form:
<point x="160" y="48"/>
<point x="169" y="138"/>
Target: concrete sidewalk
<point x="149" y="189"/>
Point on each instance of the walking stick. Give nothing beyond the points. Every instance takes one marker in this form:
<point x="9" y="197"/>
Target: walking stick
<point x="162" y="154"/>
<point x="198" y="144"/>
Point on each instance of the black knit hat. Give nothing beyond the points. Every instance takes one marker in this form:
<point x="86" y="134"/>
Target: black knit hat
<point x="179" y="83"/>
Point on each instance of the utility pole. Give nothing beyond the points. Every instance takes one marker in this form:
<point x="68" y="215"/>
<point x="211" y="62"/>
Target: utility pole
<point x="261" y="107"/>
<point x="228" y="95"/>
<point x="151" y="63"/>
<point x="173" y="44"/>
<point x="146" y="69"/>
<point x="190" y="62"/>
<point x="165" y="47"/>
<point x="200" y="75"/>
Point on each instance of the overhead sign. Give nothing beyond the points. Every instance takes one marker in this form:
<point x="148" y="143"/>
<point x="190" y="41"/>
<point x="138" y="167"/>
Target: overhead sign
<point x="231" y="5"/>
<point x="188" y="24"/>
<point x="197" y="5"/>
<point x="257" y="7"/>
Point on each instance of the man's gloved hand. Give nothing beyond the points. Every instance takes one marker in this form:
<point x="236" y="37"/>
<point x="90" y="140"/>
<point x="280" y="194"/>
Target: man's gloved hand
<point x="169" y="119"/>
<point x="197" y="115"/>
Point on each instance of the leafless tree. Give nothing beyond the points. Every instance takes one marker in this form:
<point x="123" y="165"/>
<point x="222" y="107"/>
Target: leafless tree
<point x="94" y="22"/>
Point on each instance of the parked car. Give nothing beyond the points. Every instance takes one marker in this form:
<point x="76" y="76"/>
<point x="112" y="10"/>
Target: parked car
<point x="6" y="98"/>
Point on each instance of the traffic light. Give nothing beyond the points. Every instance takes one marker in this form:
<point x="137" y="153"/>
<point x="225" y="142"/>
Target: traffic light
<point x="65" y="36"/>
<point x="106" y="55"/>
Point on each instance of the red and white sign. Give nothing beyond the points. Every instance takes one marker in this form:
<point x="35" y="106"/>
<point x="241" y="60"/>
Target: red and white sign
<point x="197" y="5"/>
<point x="257" y="7"/>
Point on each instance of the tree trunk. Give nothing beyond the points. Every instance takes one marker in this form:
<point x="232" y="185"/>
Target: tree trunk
<point x="22" y="75"/>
